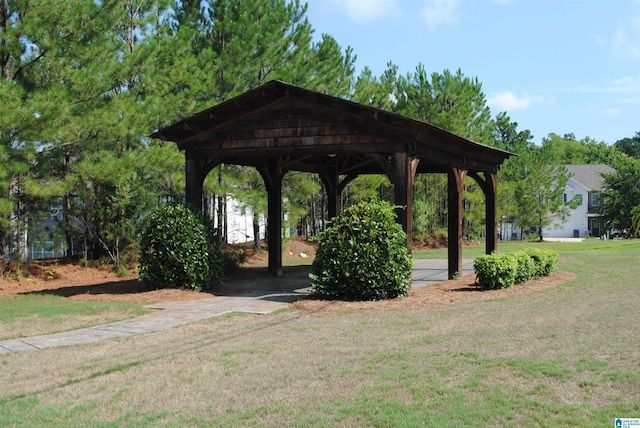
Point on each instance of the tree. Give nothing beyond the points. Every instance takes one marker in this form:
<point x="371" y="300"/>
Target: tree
<point x="621" y="197"/>
<point x="538" y="194"/>
<point x="377" y="92"/>
<point x="301" y="192"/>
<point x="507" y="137"/>
<point x="456" y="104"/>
<point x="569" y="150"/>
<point x="510" y="175"/>
<point x="106" y="116"/>
<point x="163" y="172"/>
<point x="324" y="68"/>
<point x="42" y="48"/>
<point x="234" y="46"/>
<point x="450" y="101"/>
<point x="112" y="203"/>
<point x="630" y="146"/>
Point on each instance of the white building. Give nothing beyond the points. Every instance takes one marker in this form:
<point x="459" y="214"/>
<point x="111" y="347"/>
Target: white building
<point x="584" y="187"/>
<point x="240" y="223"/>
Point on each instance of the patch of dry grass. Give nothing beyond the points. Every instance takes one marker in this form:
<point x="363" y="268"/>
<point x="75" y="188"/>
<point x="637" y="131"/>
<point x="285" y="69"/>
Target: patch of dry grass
<point x="560" y="356"/>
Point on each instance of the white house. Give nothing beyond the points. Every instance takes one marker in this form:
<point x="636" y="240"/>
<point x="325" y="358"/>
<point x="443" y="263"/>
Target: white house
<point x="584" y="186"/>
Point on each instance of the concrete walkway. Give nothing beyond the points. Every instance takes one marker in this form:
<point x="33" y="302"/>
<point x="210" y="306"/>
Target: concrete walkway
<point x="262" y="297"/>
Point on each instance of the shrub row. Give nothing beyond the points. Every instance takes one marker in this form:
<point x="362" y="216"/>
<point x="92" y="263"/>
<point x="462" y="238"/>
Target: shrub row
<point x="504" y="270"/>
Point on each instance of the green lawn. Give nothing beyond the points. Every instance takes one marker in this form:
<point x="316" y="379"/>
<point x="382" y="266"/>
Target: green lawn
<point x="564" y="356"/>
<point x="471" y="252"/>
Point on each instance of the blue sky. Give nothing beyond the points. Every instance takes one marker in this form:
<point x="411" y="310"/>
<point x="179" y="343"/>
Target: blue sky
<point x="561" y="66"/>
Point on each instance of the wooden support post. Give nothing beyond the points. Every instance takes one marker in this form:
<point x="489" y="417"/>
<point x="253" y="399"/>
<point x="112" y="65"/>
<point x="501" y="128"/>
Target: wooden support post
<point x="455" y="187"/>
<point x="274" y="232"/>
<point x="489" y="185"/>
<point x="194" y="183"/>
<point x="334" y="187"/>
<point x="491" y="211"/>
<point x="330" y="182"/>
<point x="402" y="177"/>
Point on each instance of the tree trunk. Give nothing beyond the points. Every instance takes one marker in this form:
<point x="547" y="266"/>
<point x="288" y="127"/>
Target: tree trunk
<point x="256" y="231"/>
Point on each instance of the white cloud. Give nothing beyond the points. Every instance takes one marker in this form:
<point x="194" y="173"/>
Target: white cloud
<point x="439" y="12"/>
<point x="613" y="112"/>
<point x="626" y="43"/>
<point x="508" y="101"/>
<point x="626" y="85"/>
<point x="363" y="11"/>
<point x="603" y="112"/>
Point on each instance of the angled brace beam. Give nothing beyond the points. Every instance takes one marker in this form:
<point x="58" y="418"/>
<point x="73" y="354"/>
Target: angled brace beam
<point x="489" y="185"/>
<point x="455" y="186"/>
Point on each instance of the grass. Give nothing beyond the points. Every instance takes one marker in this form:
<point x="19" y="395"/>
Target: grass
<point x="35" y="314"/>
<point x="566" y="356"/>
<point x="592" y="244"/>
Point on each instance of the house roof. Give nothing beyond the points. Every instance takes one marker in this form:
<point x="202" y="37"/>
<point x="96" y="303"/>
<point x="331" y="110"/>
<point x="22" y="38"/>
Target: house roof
<point x="590" y="176"/>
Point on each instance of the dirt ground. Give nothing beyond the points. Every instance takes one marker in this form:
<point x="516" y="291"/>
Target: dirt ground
<point x="92" y="284"/>
<point x="69" y="279"/>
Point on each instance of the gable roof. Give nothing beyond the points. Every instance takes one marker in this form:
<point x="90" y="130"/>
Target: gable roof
<point x="589" y="176"/>
<point x="315" y="131"/>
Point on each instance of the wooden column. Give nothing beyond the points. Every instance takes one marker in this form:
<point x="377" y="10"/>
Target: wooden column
<point x="489" y="185"/>
<point x="330" y="182"/>
<point x="273" y="182"/>
<point x="491" y="211"/>
<point x="334" y="188"/>
<point x="402" y="176"/>
<point x="455" y="187"/>
<point x="194" y="183"/>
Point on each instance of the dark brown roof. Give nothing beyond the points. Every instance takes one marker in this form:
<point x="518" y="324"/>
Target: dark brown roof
<point x="317" y="131"/>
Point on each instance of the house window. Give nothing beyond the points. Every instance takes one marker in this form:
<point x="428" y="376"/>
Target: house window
<point x="564" y="198"/>
<point x="578" y="199"/>
<point x="596" y="199"/>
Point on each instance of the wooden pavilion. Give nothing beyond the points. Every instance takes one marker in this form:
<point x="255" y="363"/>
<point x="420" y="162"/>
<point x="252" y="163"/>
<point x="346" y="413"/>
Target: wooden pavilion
<point x="279" y="127"/>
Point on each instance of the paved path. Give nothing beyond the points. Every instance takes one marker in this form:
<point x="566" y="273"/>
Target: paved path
<point x="262" y="297"/>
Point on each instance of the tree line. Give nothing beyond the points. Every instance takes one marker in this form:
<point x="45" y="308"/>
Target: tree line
<point x="84" y="83"/>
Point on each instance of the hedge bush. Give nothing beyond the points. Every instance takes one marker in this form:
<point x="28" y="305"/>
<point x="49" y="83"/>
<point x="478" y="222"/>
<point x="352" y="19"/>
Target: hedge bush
<point x="546" y="261"/>
<point x="526" y="267"/>
<point x="180" y="249"/>
<point x="495" y="271"/>
<point x="362" y="255"/>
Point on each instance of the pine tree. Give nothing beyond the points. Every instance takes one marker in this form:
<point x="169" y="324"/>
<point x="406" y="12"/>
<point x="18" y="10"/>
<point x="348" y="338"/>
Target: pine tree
<point x="539" y="190"/>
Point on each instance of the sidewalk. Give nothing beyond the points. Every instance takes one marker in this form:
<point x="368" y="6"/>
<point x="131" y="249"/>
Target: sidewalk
<point x="263" y="296"/>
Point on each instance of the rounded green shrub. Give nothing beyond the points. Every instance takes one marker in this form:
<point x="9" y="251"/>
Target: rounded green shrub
<point x="363" y="255"/>
<point x="180" y="249"/>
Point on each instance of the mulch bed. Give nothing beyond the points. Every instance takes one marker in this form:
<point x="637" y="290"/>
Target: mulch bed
<point x="90" y="284"/>
<point x="443" y="293"/>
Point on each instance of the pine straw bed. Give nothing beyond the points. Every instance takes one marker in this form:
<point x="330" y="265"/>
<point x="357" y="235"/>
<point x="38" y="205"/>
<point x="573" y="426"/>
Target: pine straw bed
<point x="442" y="293"/>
